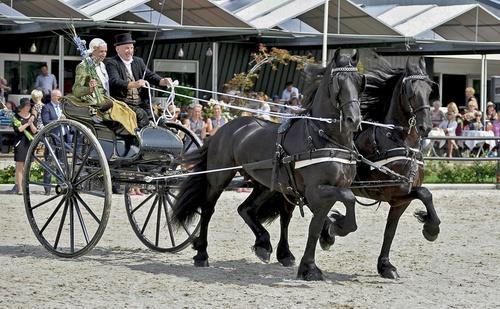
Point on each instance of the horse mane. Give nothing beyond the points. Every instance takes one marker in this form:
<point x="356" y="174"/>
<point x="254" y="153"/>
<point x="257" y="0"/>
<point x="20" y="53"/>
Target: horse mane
<point x="377" y="97"/>
<point x="314" y="74"/>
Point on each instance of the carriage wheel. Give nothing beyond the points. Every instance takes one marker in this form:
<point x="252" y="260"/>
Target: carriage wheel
<point x="150" y="215"/>
<point x="66" y="223"/>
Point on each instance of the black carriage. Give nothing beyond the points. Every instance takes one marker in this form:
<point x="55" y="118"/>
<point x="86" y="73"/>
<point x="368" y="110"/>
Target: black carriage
<point x="81" y="157"/>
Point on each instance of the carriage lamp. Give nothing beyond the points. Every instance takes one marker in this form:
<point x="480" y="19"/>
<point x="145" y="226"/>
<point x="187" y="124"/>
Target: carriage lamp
<point x="33" y="48"/>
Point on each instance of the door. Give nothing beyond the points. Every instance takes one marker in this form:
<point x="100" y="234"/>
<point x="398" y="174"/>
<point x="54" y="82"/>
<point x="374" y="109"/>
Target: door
<point x="454" y="89"/>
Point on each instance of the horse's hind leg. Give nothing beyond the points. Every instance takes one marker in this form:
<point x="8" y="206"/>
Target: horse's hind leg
<point x="216" y="185"/>
<point x="430" y="218"/>
<point x="283" y="253"/>
<point x="384" y="266"/>
<point x="248" y="211"/>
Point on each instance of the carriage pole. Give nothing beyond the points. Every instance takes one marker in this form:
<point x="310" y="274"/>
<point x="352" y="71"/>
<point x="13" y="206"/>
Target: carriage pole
<point x="325" y="35"/>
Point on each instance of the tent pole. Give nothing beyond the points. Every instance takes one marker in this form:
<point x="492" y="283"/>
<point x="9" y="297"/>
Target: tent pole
<point x="61" y="64"/>
<point x="325" y="35"/>
<point x="484" y="85"/>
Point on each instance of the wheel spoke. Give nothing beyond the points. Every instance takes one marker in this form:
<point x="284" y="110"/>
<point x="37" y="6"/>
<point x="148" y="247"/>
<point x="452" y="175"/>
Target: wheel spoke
<point x="82" y="221"/>
<point x="142" y="203"/>
<point x="45" y="202"/>
<point x="64" y="154"/>
<point x="52" y="215"/>
<point x="188" y="146"/>
<point x="48" y="169"/>
<point x="149" y="215"/>
<point x="71" y="226"/>
<point x="87" y="208"/>
<point x="158" y="219"/>
<point x="98" y="194"/>
<point x="87" y="177"/>
<point x="43" y="184"/>
<point x="61" y="224"/>
<point x="75" y="147"/>
<point x="170" y="230"/>
<point x="82" y="164"/>
<point x="54" y="157"/>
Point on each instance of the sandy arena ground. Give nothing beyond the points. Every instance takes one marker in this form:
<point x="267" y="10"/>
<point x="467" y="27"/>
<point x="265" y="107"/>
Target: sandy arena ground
<point x="459" y="270"/>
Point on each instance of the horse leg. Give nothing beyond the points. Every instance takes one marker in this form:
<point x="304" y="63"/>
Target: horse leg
<point x="320" y="199"/>
<point x="343" y="225"/>
<point x="215" y="187"/>
<point x="283" y="253"/>
<point x="327" y="236"/>
<point x="248" y="211"/>
<point x="384" y="266"/>
<point x="430" y="218"/>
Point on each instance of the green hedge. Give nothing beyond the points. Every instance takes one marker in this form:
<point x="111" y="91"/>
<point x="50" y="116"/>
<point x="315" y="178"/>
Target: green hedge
<point x="477" y="172"/>
<point x="7" y="175"/>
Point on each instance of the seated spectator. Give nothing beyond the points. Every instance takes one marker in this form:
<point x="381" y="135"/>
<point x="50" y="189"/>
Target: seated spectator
<point x="472" y="106"/>
<point x="217" y="121"/>
<point x="452" y="107"/>
<point x="491" y="113"/>
<point x="449" y="126"/>
<point x="288" y="91"/>
<point x="264" y="107"/>
<point x="475" y="124"/>
<point x="437" y="116"/>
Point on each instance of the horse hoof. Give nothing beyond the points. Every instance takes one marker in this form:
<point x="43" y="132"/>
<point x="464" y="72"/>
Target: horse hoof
<point x="263" y="254"/>
<point x="326" y="242"/>
<point x="389" y="274"/>
<point x="431" y="234"/>
<point x="309" y="273"/>
<point x="288" y="261"/>
<point x="201" y="263"/>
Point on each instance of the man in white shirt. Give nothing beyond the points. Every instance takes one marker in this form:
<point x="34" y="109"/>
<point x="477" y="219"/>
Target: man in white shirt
<point x="45" y="81"/>
<point x="289" y="91"/>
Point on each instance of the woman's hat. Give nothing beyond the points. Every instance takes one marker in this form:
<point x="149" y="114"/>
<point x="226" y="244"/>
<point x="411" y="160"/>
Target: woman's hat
<point x="490" y="104"/>
<point x="23" y="102"/>
<point x="123" y="38"/>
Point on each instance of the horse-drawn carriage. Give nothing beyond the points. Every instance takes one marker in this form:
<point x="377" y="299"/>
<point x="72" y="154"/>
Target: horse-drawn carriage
<point x="82" y="158"/>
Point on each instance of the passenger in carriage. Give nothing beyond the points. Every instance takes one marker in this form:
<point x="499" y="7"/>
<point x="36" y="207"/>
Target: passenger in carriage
<point x="128" y="74"/>
<point x="95" y="92"/>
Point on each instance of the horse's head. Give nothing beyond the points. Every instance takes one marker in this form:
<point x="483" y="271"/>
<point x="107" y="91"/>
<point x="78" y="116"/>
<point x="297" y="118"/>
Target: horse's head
<point x="345" y="88"/>
<point x="418" y="90"/>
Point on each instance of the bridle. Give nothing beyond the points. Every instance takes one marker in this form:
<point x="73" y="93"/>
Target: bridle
<point x="333" y="74"/>
<point x="413" y="112"/>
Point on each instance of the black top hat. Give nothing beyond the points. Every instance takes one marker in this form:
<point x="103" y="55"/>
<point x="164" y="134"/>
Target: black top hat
<point x="123" y="38"/>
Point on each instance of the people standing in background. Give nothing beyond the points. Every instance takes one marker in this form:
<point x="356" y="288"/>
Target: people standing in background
<point x="3" y="89"/>
<point x="24" y="124"/>
<point x="196" y="123"/>
<point x="50" y="112"/>
<point x="491" y="113"/>
<point x="45" y="81"/>
<point x="437" y="116"/>
<point x="264" y="107"/>
<point x="469" y="96"/>
<point x="36" y="99"/>
<point x="289" y="91"/>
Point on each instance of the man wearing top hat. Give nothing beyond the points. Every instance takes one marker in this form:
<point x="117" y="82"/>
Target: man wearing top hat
<point x="126" y="78"/>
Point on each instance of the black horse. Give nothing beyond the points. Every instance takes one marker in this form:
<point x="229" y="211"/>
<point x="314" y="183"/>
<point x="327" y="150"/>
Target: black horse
<point x="393" y="96"/>
<point x="264" y="150"/>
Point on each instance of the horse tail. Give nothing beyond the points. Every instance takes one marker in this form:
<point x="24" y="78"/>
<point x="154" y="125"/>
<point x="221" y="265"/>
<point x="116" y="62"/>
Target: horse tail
<point x="193" y="190"/>
<point x="270" y="209"/>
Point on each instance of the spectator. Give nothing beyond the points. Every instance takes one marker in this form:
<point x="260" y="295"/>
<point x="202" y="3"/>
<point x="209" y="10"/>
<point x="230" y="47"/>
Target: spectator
<point x="264" y="107"/>
<point x="472" y="106"/>
<point x="288" y="91"/>
<point x="496" y="125"/>
<point x="437" y="116"/>
<point x="3" y="89"/>
<point x="24" y="124"/>
<point x="196" y="123"/>
<point x="45" y="81"/>
<point x="475" y="124"/>
<point x="469" y="96"/>
<point x="449" y="126"/>
<point x="50" y="112"/>
<point x="36" y="98"/>
<point x="217" y="121"/>
<point x="491" y="113"/>
<point x="452" y="107"/>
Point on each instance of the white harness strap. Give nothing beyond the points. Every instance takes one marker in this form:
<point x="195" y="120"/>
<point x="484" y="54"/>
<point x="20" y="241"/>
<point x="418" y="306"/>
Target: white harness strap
<point x="389" y="160"/>
<point x="304" y="163"/>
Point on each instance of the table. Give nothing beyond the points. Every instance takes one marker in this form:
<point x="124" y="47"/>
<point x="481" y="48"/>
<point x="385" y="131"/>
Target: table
<point x="471" y="144"/>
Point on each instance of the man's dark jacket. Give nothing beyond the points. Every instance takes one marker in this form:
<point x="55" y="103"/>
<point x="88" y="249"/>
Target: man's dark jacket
<point x="118" y="77"/>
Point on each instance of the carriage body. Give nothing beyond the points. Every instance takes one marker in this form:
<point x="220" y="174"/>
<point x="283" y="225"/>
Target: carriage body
<point x="81" y="159"/>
